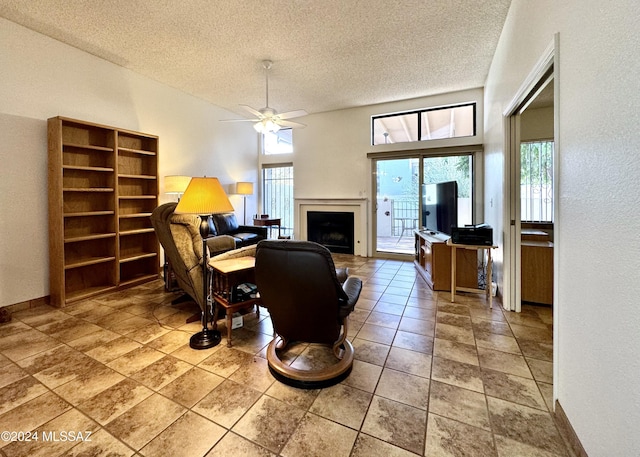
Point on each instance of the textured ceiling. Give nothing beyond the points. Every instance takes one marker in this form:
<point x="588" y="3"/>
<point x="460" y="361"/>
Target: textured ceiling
<point x="327" y="54"/>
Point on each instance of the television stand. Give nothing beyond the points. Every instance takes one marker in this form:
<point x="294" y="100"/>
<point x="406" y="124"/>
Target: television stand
<point x="433" y="262"/>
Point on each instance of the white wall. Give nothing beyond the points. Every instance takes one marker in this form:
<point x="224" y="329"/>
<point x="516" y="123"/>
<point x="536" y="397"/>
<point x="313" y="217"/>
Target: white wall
<point x="330" y="154"/>
<point x="597" y="318"/>
<point x="41" y="78"/>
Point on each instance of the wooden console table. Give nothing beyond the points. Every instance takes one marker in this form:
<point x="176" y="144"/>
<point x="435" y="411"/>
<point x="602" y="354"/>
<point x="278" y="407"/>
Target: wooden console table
<point x="488" y="279"/>
<point x="433" y="262"/>
<point x="226" y="275"/>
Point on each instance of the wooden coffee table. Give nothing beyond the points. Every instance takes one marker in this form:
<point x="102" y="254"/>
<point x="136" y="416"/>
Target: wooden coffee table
<point x="225" y="276"/>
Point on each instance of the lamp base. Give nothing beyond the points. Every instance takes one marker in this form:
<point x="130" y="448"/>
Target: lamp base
<point x="205" y="339"/>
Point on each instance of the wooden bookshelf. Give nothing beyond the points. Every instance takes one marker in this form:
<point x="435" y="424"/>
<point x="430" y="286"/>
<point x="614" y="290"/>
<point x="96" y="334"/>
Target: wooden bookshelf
<point x="103" y="185"/>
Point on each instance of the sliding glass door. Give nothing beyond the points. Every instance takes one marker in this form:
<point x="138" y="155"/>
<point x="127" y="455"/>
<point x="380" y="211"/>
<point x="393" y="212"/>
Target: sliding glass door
<point x="398" y="204"/>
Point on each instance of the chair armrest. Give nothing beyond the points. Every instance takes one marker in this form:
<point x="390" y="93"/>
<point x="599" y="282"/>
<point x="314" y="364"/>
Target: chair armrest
<point x="220" y="243"/>
<point x="352" y="288"/>
<point x="262" y="231"/>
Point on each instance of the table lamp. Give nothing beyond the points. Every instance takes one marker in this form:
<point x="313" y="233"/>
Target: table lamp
<point x="244" y="189"/>
<point x="176" y="185"/>
<point x="203" y="197"/>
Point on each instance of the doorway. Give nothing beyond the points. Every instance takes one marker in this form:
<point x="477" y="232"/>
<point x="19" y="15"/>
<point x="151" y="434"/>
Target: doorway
<point x="536" y="95"/>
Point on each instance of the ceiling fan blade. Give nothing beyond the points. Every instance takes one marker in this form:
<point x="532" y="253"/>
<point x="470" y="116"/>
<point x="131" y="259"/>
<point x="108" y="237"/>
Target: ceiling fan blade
<point x="239" y="120"/>
<point x="292" y="114"/>
<point x="290" y="124"/>
<point x="253" y="111"/>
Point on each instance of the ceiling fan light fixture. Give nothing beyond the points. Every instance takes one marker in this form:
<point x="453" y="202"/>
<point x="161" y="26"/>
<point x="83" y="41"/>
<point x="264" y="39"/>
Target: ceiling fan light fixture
<point x="266" y="126"/>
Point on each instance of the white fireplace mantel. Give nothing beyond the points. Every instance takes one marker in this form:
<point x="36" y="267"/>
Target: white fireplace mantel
<point x="357" y="206"/>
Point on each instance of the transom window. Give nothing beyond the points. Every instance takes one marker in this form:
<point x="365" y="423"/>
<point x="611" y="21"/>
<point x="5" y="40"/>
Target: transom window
<point x="280" y="142"/>
<point x="453" y="121"/>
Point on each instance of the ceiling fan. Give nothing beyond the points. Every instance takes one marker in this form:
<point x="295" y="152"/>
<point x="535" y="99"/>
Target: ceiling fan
<point x="267" y="119"/>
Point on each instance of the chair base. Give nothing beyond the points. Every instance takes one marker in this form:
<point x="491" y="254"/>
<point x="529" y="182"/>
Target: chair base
<point x="309" y="379"/>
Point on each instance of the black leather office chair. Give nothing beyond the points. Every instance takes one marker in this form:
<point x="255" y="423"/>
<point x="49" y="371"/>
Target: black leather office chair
<point x="298" y="284"/>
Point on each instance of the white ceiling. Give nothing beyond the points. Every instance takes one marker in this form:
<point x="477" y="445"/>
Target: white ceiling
<point x="327" y="54"/>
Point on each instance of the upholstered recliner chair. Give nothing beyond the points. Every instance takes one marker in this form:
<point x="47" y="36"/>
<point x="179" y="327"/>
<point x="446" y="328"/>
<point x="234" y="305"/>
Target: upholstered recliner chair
<point x="298" y="284"/>
<point x="179" y="235"/>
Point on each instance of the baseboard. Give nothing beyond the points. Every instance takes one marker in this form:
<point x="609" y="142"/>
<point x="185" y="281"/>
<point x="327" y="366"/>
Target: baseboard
<point x="46" y="300"/>
<point x="568" y="432"/>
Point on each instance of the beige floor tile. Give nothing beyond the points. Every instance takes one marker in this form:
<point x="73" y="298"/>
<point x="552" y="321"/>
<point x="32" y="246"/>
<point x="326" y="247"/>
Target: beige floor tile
<point x="497" y="342"/>
<point x="459" y="404"/>
<point x="370" y="352"/>
<point x="19" y="392"/>
<point x="457" y="373"/>
<point x="113" y="349"/>
<point x="300" y="398"/>
<point x="364" y="376"/>
<point x="227" y="403"/>
<point x="377" y="334"/>
<point x="513" y="388"/>
<point x="321" y="438"/>
<point x="161" y="372"/>
<point x="450" y="438"/>
<point x="191" y="387"/>
<point x="170" y="341"/>
<point x="145" y="421"/>
<point x="542" y="370"/>
<point x="33" y="413"/>
<point x="89" y="384"/>
<point x="504" y="361"/>
<point x="269" y="423"/>
<point x="136" y="360"/>
<point x="10" y="373"/>
<point x="454" y="333"/>
<point x="102" y="444"/>
<point x="419" y="326"/>
<point x="413" y="342"/>
<point x="93" y="340"/>
<point x="452" y="350"/>
<point x="404" y="388"/>
<point x="255" y="375"/>
<point x="368" y="446"/>
<point x="191" y="435"/>
<point x="117" y="399"/>
<point x="396" y="423"/>
<point x="526" y="425"/>
<point x="237" y="446"/>
<point x="342" y="404"/>
<point x="225" y="361"/>
<point x="383" y="319"/>
<point x="17" y="346"/>
<point x="407" y="361"/>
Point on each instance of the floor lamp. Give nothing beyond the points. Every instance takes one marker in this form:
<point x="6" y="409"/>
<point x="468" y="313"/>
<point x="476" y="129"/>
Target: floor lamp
<point x="203" y="197"/>
<point x="176" y="185"/>
<point x="244" y="189"/>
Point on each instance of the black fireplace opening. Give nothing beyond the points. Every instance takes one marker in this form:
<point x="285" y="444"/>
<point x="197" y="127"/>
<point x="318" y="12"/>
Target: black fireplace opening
<point x="332" y="229"/>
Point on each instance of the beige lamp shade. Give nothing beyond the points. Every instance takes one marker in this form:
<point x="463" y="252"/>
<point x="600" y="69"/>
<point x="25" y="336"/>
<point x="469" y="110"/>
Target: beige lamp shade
<point x="204" y="196"/>
<point x="175" y="184"/>
<point x="244" y="188"/>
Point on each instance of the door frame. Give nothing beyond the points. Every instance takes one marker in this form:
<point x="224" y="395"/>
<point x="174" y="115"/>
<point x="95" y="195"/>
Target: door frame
<point x="545" y="70"/>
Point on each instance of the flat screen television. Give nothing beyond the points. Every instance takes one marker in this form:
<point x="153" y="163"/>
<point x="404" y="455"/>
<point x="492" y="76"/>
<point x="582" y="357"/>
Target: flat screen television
<point x="440" y="206"/>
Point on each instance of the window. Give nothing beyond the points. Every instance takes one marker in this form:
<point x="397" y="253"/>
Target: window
<point x="536" y="181"/>
<point x="277" y="195"/>
<point x="453" y="121"/>
<point x="280" y="142"/>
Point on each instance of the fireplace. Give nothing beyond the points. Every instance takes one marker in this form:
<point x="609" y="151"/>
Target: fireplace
<point x="332" y="229"/>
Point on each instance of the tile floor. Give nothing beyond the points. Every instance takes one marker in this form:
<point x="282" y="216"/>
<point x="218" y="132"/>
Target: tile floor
<point x="430" y="378"/>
